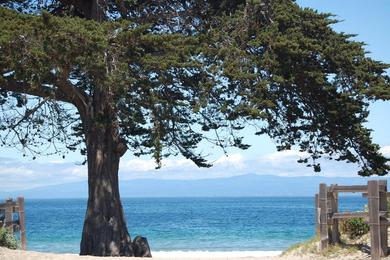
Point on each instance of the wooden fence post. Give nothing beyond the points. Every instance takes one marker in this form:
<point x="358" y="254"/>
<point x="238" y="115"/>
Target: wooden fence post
<point x="333" y="208"/>
<point x="322" y="201"/>
<point x="317" y="214"/>
<point x="22" y="223"/>
<point x="383" y="221"/>
<point x="373" y="212"/>
<point x="9" y="209"/>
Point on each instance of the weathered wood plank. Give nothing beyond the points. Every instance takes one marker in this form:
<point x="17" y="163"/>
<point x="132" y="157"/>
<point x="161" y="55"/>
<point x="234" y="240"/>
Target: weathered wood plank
<point x="4" y="205"/>
<point x="351" y="188"/>
<point x="322" y="202"/>
<point x="333" y="208"/>
<point x="8" y="220"/>
<point x="365" y="194"/>
<point x="348" y="215"/>
<point x="316" y="214"/>
<point x="383" y="221"/>
<point x="374" y="219"/>
<point x="22" y="223"/>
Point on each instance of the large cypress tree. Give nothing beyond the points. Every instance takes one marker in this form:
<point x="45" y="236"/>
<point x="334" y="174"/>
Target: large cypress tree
<point x="158" y="77"/>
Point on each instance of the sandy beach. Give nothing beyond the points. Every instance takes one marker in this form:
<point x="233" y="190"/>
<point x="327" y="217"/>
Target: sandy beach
<point x="7" y="254"/>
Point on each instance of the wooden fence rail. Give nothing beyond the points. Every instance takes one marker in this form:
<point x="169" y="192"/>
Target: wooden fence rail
<point x="327" y="215"/>
<point x="9" y="208"/>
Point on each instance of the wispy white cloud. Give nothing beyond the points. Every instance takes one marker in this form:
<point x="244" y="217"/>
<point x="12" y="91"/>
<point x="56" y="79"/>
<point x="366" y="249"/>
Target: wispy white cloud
<point x="286" y="156"/>
<point x="285" y="163"/>
<point x="278" y="163"/>
<point x="385" y="150"/>
<point x="137" y="165"/>
<point x="21" y="172"/>
<point x="25" y="175"/>
<point x="236" y="161"/>
<point x="19" y="175"/>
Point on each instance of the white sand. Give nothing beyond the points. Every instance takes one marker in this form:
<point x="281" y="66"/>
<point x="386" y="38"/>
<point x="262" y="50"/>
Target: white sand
<point x="7" y="254"/>
<point x="214" y="255"/>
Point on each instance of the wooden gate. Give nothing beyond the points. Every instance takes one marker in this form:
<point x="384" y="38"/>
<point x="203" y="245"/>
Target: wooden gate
<point x="8" y="209"/>
<point x="327" y="215"/>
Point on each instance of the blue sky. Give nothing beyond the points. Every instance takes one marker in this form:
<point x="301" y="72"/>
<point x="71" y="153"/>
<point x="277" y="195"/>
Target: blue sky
<point x="368" y="19"/>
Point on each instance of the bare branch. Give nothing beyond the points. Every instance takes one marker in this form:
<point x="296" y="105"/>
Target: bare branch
<point x="31" y="112"/>
<point x="64" y="92"/>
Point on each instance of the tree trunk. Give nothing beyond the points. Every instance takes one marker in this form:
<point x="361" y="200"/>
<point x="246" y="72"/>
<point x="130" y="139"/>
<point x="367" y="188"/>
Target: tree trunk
<point x="105" y="231"/>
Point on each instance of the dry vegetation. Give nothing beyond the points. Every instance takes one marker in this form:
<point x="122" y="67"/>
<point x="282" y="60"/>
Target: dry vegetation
<point x="357" y="248"/>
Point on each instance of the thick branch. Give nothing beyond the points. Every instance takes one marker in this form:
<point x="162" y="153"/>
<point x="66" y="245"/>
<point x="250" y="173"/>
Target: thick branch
<point x="26" y="88"/>
<point x="78" y="97"/>
<point x="90" y="9"/>
<point x="64" y="92"/>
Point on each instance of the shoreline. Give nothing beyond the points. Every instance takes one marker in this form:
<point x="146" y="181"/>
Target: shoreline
<point x="201" y="254"/>
<point x="8" y="254"/>
<point x="163" y="252"/>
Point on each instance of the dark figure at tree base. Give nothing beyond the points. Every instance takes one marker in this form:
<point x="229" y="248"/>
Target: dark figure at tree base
<point x="141" y="247"/>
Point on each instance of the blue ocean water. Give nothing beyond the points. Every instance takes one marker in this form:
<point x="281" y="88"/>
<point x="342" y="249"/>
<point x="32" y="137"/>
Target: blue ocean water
<point x="185" y="224"/>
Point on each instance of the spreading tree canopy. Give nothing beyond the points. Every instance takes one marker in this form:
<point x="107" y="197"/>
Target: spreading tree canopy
<point x="159" y="77"/>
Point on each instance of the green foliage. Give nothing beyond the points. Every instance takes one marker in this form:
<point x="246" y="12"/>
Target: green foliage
<point x="354" y="227"/>
<point x="50" y="42"/>
<point x="7" y="239"/>
<point x="311" y="91"/>
<point x="186" y="71"/>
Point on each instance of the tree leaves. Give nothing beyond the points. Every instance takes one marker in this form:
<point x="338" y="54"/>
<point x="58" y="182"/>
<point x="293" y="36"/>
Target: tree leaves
<point x="178" y="73"/>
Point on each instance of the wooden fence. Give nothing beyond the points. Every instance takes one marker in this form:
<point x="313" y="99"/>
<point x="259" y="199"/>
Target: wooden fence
<point x="8" y="209"/>
<point x="328" y="216"/>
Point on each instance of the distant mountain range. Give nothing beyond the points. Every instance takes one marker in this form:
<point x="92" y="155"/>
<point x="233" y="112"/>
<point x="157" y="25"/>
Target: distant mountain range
<point x="238" y="186"/>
